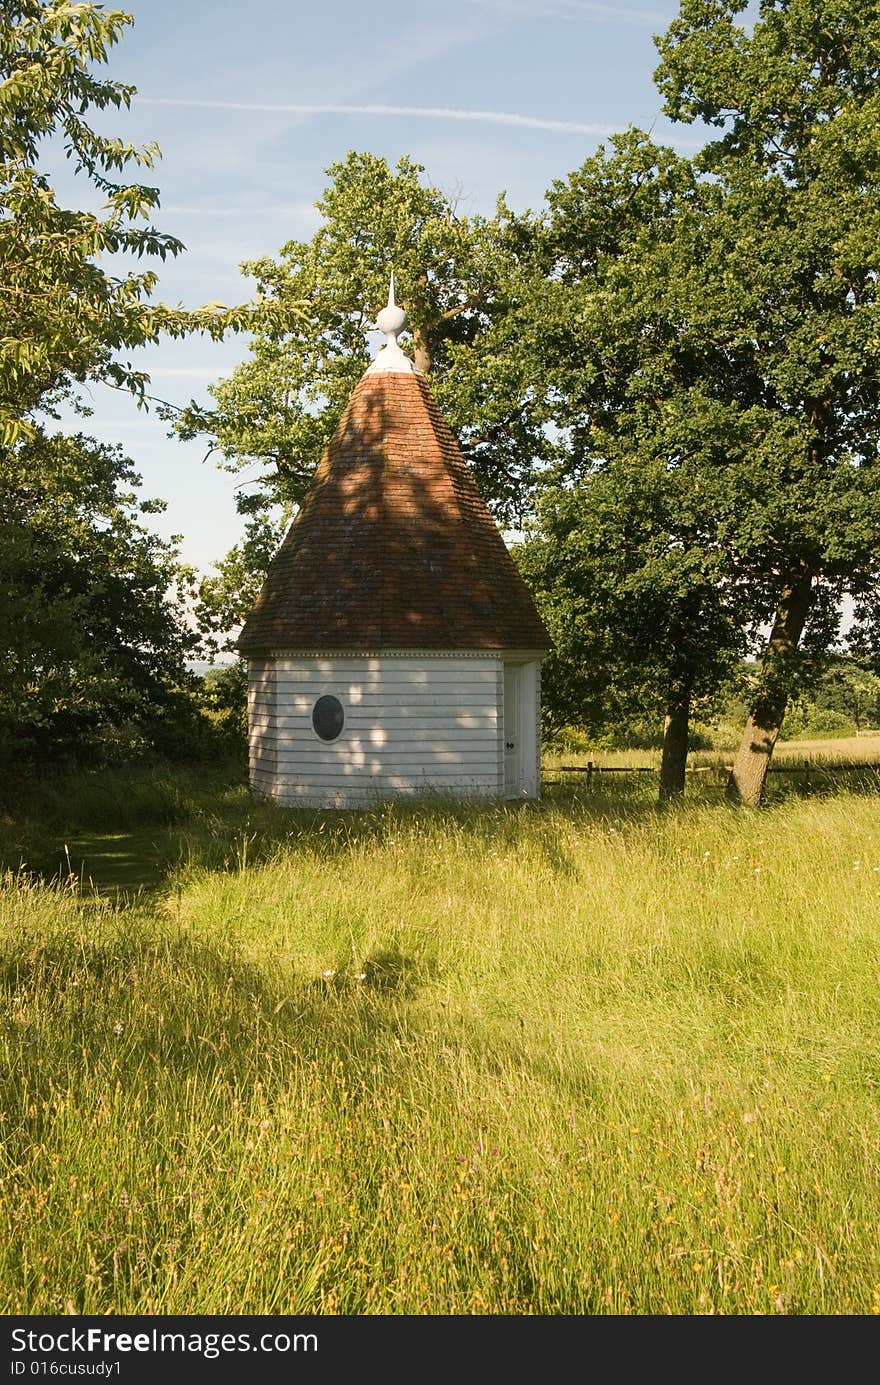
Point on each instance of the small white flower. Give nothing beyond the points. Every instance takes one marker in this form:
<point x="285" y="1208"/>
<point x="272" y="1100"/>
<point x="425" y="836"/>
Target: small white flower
<point x="117" y="1029"/>
<point x="328" y="974"/>
<point x="360" y="976"/>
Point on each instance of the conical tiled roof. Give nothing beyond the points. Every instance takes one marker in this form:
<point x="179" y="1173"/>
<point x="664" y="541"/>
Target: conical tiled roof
<point x="393" y="547"/>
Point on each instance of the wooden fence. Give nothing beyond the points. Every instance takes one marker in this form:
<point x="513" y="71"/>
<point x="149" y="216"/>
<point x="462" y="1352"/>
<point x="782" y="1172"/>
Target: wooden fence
<point x="804" y="767"/>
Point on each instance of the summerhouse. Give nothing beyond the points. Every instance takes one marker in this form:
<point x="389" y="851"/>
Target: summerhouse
<point x="394" y="648"/>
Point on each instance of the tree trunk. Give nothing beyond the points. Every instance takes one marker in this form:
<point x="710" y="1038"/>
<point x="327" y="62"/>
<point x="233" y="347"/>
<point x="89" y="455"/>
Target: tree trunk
<point x="749" y="774"/>
<point x="673" y="764"/>
<point x="422" y="350"/>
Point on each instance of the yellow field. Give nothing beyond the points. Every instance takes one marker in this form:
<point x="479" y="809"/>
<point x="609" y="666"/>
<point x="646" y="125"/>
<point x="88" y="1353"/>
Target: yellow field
<point x="849" y="750"/>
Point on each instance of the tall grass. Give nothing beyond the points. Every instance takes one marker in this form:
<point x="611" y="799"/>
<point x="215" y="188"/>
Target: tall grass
<point x="581" y="1057"/>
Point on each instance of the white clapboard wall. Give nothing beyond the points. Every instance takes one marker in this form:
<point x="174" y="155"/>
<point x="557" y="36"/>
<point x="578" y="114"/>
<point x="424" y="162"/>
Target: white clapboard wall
<point x="414" y="724"/>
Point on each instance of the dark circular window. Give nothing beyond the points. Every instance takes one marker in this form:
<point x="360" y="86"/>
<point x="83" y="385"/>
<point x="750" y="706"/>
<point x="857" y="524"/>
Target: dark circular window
<point x="328" y="717"/>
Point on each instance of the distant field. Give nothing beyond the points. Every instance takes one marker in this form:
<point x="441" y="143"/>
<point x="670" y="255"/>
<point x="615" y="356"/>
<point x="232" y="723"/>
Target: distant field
<point x="580" y="1057"/>
<point x="850" y="748"/>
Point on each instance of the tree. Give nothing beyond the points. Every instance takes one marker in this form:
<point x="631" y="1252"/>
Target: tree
<point x="719" y="319"/>
<point x="64" y="317"/>
<point x="93" y="629"/>
<point x="278" y="410"/>
<point x="642" y="626"/>
<point x="636" y="576"/>
<point x="848" y="689"/>
<point x="786" y="288"/>
<point x="87" y="632"/>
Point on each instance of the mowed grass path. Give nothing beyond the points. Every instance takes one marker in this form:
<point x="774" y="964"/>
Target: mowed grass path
<point x="582" y="1057"/>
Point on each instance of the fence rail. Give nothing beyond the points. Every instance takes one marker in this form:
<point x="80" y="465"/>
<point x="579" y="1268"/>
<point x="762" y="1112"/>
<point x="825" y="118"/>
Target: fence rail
<point x="804" y="767"/>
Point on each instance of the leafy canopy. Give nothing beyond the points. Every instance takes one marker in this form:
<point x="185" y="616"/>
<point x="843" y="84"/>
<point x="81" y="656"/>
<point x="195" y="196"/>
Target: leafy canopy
<point x="785" y="284"/>
<point x="625" y="559"/>
<point x="93" y="628"/>
<point x="64" y="318"/>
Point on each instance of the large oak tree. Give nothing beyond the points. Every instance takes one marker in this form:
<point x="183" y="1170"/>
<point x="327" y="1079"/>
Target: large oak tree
<point x="785" y="285"/>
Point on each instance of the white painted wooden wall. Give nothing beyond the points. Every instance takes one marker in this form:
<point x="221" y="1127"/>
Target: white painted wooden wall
<point x="414" y="724"/>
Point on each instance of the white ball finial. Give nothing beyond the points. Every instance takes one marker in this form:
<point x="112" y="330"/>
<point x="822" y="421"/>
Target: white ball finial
<point x="392" y="320"/>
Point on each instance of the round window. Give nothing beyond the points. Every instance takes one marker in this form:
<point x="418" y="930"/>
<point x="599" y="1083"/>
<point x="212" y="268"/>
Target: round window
<point x="328" y="717"/>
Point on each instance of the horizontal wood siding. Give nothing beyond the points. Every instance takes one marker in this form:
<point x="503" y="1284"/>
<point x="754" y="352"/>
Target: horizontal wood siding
<point x="427" y="725"/>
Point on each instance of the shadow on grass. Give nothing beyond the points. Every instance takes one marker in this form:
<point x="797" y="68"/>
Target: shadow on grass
<point x="119" y="838"/>
<point x="155" y="1012"/>
<point x="253" y="831"/>
<point x="109" y="863"/>
<point x="143" y="1074"/>
<point x="116" y="844"/>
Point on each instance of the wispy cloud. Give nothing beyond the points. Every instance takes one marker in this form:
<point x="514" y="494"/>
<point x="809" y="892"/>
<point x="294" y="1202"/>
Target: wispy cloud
<point x="586" y="11"/>
<point x="528" y="122"/>
<point x="278" y="209"/>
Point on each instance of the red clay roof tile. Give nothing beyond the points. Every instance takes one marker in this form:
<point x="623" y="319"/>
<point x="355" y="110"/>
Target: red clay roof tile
<point x="394" y="547"/>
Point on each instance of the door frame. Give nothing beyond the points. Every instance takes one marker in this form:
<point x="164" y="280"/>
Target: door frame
<point x="525" y="780"/>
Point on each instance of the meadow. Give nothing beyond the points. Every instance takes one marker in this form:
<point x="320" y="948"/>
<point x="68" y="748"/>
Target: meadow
<point x="577" y="1057"/>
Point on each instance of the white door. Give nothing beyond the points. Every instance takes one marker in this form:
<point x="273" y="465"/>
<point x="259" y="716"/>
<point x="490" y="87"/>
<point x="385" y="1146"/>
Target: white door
<point x="513" y="775"/>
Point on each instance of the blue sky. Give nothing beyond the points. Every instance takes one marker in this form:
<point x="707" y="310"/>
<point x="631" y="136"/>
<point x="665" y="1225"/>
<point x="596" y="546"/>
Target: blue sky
<point x="250" y="103"/>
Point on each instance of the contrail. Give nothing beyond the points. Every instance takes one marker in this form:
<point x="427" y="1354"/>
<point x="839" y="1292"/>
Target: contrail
<point x="526" y="122"/>
<point x="185" y="372"/>
<point x="279" y="209"/>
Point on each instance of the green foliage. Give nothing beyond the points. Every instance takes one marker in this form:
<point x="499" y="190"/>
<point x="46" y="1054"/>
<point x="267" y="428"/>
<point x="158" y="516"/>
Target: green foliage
<point x="62" y="315"/>
<point x="64" y="319"/>
<point x="227" y="596"/>
<point x="282" y="405"/>
<point x="224" y="702"/>
<point x="851" y="689"/>
<point x="782" y="285"/>
<point x="706" y="334"/>
<point x="816" y="723"/>
<point x="92" y="618"/>
<point x="92" y="626"/>
<point x="625" y="562"/>
<point x="842" y="701"/>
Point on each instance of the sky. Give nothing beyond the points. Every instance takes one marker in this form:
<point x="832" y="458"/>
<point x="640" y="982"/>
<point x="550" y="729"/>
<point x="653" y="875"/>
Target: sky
<point x="250" y="103"/>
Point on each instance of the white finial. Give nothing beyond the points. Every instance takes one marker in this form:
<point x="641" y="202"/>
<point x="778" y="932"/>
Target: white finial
<point x="392" y="320"/>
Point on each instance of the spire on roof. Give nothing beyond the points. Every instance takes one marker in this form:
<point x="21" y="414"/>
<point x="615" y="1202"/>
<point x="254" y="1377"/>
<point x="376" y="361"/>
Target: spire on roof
<point x="392" y="320"/>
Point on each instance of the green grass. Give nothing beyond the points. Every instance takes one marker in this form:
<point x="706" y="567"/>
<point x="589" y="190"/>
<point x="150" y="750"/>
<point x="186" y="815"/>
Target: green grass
<point x="580" y="1057"/>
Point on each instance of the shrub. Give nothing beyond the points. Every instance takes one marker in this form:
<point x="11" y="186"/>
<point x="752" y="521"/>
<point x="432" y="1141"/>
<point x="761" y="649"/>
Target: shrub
<point x="804" y="722"/>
